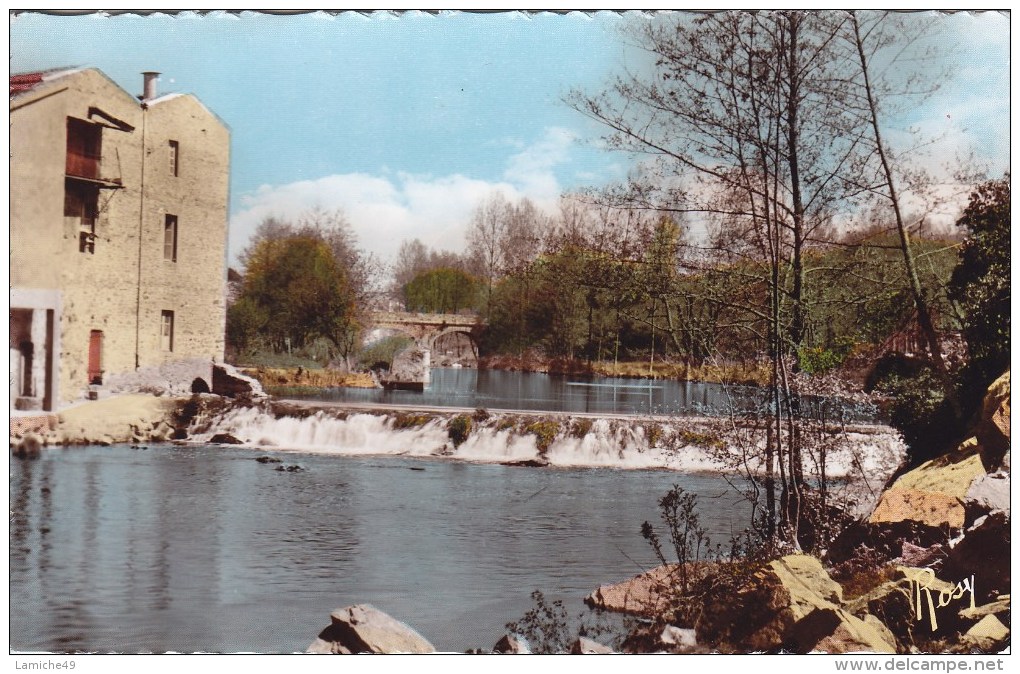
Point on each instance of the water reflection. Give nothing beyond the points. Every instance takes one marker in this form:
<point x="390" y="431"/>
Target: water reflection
<point x="500" y="389"/>
<point x="204" y="549"/>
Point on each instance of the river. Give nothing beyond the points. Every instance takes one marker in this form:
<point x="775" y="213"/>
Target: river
<point x="199" y="548"/>
<point x="503" y="390"/>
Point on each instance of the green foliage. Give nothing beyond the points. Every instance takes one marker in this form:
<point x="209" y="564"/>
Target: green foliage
<point x="245" y="321"/>
<point x="817" y="360"/>
<point x="506" y="423"/>
<point x="921" y="412"/>
<point x="545" y="432"/>
<point x="654" y="434"/>
<point x="443" y="290"/>
<point x="294" y="292"/>
<point x="697" y="439"/>
<point x="403" y="420"/>
<point x="980" y="285"/>
<point x="459" y="428"/>
<point x="382" y="352"/>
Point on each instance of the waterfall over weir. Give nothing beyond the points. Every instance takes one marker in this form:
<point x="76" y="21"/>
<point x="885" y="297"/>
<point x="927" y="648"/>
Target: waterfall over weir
<point x="681" y="444"/>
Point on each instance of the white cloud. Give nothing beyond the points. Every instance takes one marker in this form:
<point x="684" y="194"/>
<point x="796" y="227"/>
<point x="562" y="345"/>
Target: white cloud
<point x="386" y="209"/>
<point x="532" y="168"/>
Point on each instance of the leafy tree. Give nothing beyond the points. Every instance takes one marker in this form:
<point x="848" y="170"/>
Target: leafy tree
<point x="246" y="320"/>
<point x="980" y="285"/>
<point x="442" y="290"/>
<point x="297" y="285"/>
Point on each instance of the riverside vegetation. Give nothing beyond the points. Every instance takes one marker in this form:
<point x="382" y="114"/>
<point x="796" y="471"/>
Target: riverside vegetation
<point x="775" y="124"/>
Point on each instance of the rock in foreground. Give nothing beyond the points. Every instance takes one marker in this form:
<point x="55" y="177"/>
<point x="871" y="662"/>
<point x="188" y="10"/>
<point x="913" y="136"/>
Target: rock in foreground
<point x="647" y="594"/>
<point x="363" y="628"/>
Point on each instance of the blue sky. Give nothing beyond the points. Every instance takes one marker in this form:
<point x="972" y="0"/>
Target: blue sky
<point x="408" y="121"/>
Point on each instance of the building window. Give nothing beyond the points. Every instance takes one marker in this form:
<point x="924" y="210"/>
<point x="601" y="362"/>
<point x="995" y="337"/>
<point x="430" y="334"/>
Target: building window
<point x="166" y="331"/>
<point x="81" y="210"/>
<point x="84" y="146"/>
<point x="170" y="238"/>
<point x="175" y="154"/>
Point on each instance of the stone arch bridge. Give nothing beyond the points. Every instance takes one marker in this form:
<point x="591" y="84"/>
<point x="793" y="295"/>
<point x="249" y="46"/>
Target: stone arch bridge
<point x="425" y="329"/>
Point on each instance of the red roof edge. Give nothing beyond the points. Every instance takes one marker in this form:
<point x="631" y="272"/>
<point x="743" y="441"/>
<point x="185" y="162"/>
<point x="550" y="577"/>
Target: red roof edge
<point x="25" y="82"/>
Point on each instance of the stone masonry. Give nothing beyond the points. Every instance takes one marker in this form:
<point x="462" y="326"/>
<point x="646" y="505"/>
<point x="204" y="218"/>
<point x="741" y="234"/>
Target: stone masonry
<point x="118" y="238"/>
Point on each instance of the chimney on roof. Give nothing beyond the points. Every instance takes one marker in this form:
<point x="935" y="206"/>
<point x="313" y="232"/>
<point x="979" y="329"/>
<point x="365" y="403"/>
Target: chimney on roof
<point x="149" y="90"/>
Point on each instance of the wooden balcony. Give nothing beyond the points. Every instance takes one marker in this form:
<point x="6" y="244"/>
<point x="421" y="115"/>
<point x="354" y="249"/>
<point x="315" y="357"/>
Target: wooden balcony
<point x="87" y="168"/>
<point x="81" y="165"/>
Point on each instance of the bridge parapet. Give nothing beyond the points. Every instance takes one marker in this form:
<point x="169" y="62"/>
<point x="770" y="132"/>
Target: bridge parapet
<point x="378" y="318"/>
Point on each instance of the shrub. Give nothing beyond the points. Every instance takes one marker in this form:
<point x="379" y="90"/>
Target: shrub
<point x="688" y="538"/>
<point x="816" y="360"/>
<point x="380" y="354"/>
<point x="654" y="434"/>
<point x="547" y="627"/>
<point x="920" y="411"/>
<point x="696" y="439"/>
<point x="506" y="423"/>
<point x="544" y="626"/>
<point x="459" y="428"/>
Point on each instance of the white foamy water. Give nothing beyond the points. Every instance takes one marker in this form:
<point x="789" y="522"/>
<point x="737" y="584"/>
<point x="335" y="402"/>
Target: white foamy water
<point x="606" y="443"/>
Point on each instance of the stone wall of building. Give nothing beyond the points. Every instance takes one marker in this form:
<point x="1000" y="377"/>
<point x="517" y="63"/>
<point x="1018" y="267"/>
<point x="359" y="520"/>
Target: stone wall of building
<point x="123" y="285"/>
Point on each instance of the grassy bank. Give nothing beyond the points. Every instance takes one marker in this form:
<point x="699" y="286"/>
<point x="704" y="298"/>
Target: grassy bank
<point x="722" y="373"/>
<point x="302" y="378"/>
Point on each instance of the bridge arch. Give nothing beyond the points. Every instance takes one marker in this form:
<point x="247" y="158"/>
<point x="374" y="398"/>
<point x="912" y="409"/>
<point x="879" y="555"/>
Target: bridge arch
<point x="472" y="335"/>
<point x="426" y="329"/>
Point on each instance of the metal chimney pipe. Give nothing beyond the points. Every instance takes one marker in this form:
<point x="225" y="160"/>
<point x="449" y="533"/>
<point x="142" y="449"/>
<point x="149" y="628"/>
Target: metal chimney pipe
<point x="149" y="91"/>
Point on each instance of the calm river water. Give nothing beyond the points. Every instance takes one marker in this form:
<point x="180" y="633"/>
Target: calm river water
<point x="196" y="548"/>
<point x="500" y="389"/>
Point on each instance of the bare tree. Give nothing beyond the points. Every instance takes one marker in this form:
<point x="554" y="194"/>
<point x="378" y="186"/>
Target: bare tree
<point x="485" y="241"/>
<point x="746" y="106"/>
<point x="868" y="35"/>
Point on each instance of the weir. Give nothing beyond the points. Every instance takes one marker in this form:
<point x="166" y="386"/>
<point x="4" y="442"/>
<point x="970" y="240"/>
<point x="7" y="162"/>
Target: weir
<point x="681" y="444"/>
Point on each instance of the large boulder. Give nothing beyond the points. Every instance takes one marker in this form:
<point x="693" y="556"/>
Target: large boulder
<point x="363" y="628"/>
<point x="834" y="630"/>
<point x="790" y="604"/>
<point x="984" y="554"/>
<point x="647" y="594"/>
<point x="992" y="430"/>
<point x="230" y="382"/>
<point x="989" y="635"/>
<point x="933" y="493"/>
<point x="894" y="603"/>
<point x="988" y="493"/>
<point x="940" y="492"/>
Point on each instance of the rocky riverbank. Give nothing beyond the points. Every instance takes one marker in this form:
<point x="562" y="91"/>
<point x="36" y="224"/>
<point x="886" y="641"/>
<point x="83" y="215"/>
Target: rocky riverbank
<point x="926" y="571"/>
<point x="131" y="418"/>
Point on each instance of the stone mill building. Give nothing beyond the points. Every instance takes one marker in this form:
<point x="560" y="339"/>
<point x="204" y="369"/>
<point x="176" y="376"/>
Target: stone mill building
<point x="118" y="235"/>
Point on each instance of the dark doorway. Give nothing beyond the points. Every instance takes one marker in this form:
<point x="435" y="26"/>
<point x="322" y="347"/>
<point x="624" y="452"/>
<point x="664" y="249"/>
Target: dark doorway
<point x="96" y="357"/>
